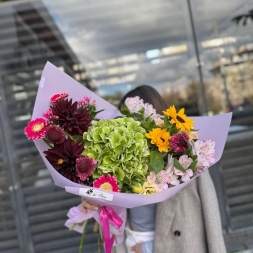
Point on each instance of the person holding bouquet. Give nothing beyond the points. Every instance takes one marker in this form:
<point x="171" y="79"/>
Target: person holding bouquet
<point x="189" y="222"/>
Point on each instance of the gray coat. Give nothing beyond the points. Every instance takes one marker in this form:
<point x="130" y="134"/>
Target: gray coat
<point x="189" y="222"/>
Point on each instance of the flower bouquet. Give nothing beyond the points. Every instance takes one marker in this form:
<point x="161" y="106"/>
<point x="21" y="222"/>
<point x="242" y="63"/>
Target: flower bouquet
<point x="119" y="159"/>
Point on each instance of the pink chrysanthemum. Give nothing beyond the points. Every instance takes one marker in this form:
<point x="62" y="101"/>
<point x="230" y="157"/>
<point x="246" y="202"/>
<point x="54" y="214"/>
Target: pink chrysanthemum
<point x="57" y="96"/>
<point x="48" y="114"/>
<point x="179" y="142"/>
<point x="36" y="129"/>
<point x="85" y="166"/>
<point x="55" y="134"/>
<point x="108" y="183"/>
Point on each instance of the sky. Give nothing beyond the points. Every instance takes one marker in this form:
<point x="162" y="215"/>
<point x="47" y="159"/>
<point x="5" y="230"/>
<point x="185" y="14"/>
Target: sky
<point x="101" y="30"/>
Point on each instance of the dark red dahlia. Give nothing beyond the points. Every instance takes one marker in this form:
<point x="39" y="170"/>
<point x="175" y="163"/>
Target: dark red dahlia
<point x="55" y="134"/>
<point x="179" y="142"/>
<point x="85" y="166"/>
<point x="63" y="158"/>
<point x="72" y="119"/>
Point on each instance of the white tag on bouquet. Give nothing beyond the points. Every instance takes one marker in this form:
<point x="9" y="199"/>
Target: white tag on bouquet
<point x="95" y="194"/>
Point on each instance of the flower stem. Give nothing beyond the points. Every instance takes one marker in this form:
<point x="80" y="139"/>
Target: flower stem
<point x="47" y="143"/>
<point x="82" y="239"/>
<point x="72" y="226"/>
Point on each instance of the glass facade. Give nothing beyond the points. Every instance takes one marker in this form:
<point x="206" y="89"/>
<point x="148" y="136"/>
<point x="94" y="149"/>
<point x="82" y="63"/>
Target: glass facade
<point x="189" y="50"/>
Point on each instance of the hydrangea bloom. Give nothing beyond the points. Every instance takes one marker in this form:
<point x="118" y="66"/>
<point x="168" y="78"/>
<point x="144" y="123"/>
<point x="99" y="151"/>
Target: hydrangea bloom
<point x="120" y="148"/>
<point x="161" y="179"/>
<point x="134" y="104"/>
<point x="205" y="152"/>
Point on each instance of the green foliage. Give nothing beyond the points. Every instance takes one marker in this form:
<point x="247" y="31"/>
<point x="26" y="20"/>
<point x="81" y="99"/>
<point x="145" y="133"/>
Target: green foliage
<point x="156" y="162"/>
<point x="178" y="166"/>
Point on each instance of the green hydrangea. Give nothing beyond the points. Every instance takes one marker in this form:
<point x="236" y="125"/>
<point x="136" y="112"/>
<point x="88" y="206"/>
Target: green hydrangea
<point x="120" y="148"/>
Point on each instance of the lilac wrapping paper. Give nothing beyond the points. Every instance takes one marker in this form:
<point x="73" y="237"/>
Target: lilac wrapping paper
<point x="54" y="81"/>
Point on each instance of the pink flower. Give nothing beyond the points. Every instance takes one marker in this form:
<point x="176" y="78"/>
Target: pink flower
<point x="36" y="129"/>
<point x="161" y="179"/>
<point x="179" y="142"/>
<point x="85" y="167"/>
<point x="149" y="111"/>
<point x="185" y="161"/>
<point x="48" y="114"/>
<point x="205" y="152"/>
<point x="85" y="102"/>
<point x="55" y="134"/>
<point x="173" y="178"/>
<point x="108" y="183"/>
<point x="57" y="96"/>
<point x="134" y="104"/>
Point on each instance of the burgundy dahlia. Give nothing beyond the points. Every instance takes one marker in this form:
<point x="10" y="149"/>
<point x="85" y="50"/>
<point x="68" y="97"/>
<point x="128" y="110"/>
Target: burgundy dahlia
<point x="55" y="134"/>
<point x="63" y="158"/>
<point x="72" y="119"/>
<point x="85" y="166"/>
<point x="179" y="142"/>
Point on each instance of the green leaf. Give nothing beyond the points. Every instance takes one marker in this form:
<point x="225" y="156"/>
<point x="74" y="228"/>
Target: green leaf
<point x="187" y="151"/>
<point x="178" y="166"/>
<point x="156" y="161"/>
<point x="194" y="157"/>
<point x="174" y="130"/>
<point x="193" y="165"/>
<point x="77" y="138"/>
<point x="148" y="124"/>
<point x="167" y="123"/>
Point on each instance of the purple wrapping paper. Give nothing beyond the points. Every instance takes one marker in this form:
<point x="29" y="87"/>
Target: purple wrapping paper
<point x="54" y="81"/>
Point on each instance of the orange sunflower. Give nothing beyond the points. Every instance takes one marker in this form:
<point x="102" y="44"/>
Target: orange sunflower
<point x="180" y="119"/>
<point x="160" y="137"/>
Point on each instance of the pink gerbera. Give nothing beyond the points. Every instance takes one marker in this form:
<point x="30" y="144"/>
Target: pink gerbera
<point x="108" y="183"/>
<point x="179" y="142"/>
<point x="85" y="166"/>
<point x="57" y="96"/>
<point x="36" y="129"/>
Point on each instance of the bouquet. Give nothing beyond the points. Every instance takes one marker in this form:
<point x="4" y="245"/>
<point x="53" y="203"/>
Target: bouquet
<point x="120" y="159"/>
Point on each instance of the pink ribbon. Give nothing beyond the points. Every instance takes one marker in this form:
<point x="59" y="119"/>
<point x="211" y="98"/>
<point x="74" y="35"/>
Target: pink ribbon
<point x="108" y="214"/>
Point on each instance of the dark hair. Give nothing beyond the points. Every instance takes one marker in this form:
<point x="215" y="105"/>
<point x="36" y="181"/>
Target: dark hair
<point x="149" y="95"/>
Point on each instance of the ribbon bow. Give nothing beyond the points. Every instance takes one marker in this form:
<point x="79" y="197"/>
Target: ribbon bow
<point x="107" y="214"/>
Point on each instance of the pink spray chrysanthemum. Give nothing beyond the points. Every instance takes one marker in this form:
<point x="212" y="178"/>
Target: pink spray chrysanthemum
<point x="85" y="166"/>
<point x="179" y="142"/>
<point x="48" y="114"/>
<point x="55" y="134"/>
<point x="108" y="183"/>
<point x="36" y="129"/>
<point x="57" y="96"/>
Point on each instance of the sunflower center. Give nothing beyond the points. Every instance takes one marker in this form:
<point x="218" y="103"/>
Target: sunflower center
<point x="60" y="161"/>
<point x="37" y="127"/>
<point x="106" y="186"/>
<point x="180" y="119"/>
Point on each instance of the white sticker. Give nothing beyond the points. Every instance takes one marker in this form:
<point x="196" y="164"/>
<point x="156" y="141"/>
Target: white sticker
<point x="42" y="82"/>
<point x="96" y="194"/>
